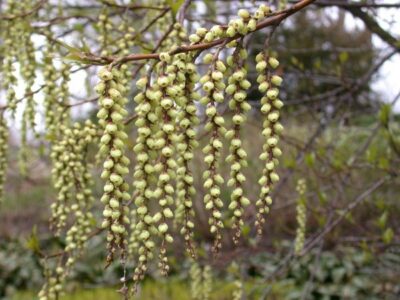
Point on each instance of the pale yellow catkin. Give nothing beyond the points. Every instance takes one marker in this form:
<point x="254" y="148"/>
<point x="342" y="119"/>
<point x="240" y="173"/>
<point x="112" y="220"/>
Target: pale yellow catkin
<point x="3" y="153"/>
<point x="271" y="105"/>
<point x="115" y="167"/>
<point x="301" y="217"/>
<point x="213" y="86"/>
<point x="237" y="158"/>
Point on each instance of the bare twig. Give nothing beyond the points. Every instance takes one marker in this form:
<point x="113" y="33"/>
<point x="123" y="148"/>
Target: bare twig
<point x="275" y="19"/>
<point x="315" y="240"/>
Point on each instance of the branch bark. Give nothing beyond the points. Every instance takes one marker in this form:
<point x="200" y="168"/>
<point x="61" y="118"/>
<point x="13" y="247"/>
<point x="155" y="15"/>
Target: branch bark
<point x="374" y="26"/>
<point x="346" y="3"/>
<point x="274" y="20"/>
<point x="355" y="8"/>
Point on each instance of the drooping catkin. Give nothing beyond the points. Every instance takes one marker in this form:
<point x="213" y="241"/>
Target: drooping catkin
<point x="143" y="222"/>
<point x="238" y="288"/>
<point x="53" y="287"/>
<point x="201" y="281"/>
<point x="237" y="293"/>
<point x="270" y="108"/>
<point x="237" y="158"/>
<point x="213" y="87"/>
<point x="104" y="26"/>
<point x="28" y="66"/>
<point x="115" y="167"/>
<point x="195" y="281"/>
<point x="51" y="90"/>
<point x="11" y="43"/>
<point x="184" y="97"/>
<point x="71" y="173"/>
<point x="166" y="139"/>
<point x="76" y="236"/>
<point x="301" y="217"/>
<point x="3" y="153"/>
<point x="64" y="113"/>
<point x="207" y="282"/>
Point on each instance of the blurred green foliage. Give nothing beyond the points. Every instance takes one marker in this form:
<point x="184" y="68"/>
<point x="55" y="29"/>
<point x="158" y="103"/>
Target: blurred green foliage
<point x="19" y="268"/>
<point x="347" y="273"/>
<point x="320" y="274"/>
<point x="333" y="273"/>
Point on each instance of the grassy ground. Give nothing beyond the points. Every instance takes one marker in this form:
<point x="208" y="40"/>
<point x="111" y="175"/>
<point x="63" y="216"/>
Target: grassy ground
<point x="172" y="289"/>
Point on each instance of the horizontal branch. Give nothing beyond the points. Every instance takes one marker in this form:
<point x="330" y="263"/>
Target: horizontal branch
<point x="134" y="6"/>
<point x="4" y="107"/>
<point x="274" y="20"/>
<point x="374" y="27"/>
<point x="346" y="3"/>
<point x="24" y="14"/>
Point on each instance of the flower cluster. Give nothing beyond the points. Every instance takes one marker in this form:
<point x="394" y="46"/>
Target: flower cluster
<point x="201" y="281"/>
<point x="142" y="225"/>
<point x="196" y="290"/>
<point x="70" y="172"/>
<point x="207" y="282"/>
<point x="83" y="136"/>
<point x="11" y="43"/>
<point x="237" y="293"/>
<point x="63" y="113"/>
<point x="301" y="218"/>
<point x="104" y="27"/>
<point x="126" y="41"/>
<point x="3" y="153"/>
<point x="53" y="288"/>
<point x="124" y="44"/>
<point x="246" y="22"/>
<point x="112" y="146"/>
<point x="237" y="87"/>
<point x="51" y="90"/>
<point x="270" y="105"/>
<point x="203" y="34"/>
<point x="213" y="86"/>
<point x="166" y="146"/>
<point x="28" y="65"/>
<point x="73" y="182"/>
<point x="167" y="120"/>
<point x="184" y="96"/>
<point x="238" y="287"/>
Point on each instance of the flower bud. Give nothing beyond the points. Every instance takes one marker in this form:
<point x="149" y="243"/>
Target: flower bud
<point x="273" y="62"/>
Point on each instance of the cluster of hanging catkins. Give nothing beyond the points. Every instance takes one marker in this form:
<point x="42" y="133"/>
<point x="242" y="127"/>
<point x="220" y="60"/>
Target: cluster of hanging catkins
<point x="17" y="45"/>
<point x="167" y="126"/>
<point x="168" y="98"/>
<point x="73" y="182"/>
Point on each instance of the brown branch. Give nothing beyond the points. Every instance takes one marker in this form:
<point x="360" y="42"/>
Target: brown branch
<point x="130" y="119"/>
<point x="374" y="26"/>
<point x="346" y="3"/>
<point x="347" y="90"/>
<point x="4" y="107"/>
<point x="41" y="254"/>
<point x="343" y="214"/>
<point x="275" y="19"/>
<point x="182" y="11"/>
<point x="24" y="14"/>
<point x="68" y="105"/>
<point x="157" y="46"/>
<point x="133" y="6"/>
